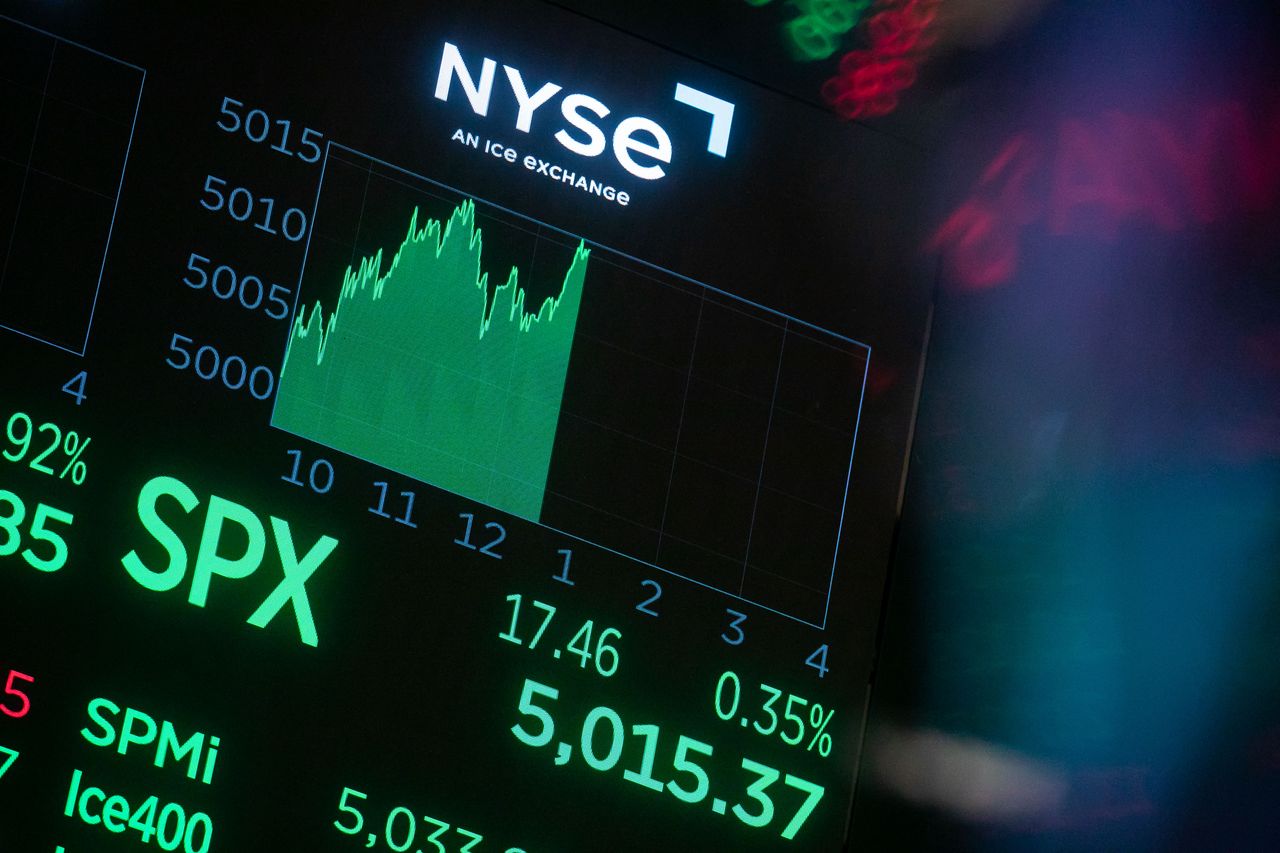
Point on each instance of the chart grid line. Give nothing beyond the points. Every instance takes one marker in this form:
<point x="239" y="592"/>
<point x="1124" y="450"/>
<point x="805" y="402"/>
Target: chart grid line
<point x="684" y="405"/>
<point x="764" y="455"/>
<point x="693" y="281"/>
<point x="785" y="323"/>
<point x="77" y="342"/>
<point x="26" y="168"/>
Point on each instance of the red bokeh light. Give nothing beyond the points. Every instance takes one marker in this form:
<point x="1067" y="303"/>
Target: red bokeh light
<point x="868" y="82"/>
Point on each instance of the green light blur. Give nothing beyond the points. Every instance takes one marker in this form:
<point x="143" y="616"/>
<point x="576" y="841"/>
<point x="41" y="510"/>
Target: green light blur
<point x="822" y="24"/>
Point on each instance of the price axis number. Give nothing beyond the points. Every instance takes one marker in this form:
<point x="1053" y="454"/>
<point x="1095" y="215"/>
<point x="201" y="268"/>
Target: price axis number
<point x="211" y="365"/>
<point x="224" y="277"/>
<point x="248" y="291"/>
<point x="259" y="127"/>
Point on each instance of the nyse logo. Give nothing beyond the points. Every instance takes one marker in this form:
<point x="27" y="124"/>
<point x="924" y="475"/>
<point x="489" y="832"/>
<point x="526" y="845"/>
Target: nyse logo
<point x="640" y="144"/>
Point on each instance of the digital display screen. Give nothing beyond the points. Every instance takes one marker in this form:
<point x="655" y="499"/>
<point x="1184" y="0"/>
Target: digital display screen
<point x="450" y="427"/>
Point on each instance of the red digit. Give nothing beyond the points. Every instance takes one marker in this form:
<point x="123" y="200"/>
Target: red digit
<point x="10" y="690"/>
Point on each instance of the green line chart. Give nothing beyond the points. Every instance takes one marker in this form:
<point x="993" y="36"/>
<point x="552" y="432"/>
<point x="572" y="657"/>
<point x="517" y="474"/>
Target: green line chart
<point x="418" y="368"/>
<point x="496" y="357"/>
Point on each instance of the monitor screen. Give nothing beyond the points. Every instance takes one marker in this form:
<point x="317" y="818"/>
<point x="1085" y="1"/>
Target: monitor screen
<point x="455" y="426"/>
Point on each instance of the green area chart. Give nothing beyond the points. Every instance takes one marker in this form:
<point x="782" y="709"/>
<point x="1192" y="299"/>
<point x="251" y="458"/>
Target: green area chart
<point x="420" y="370"/>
